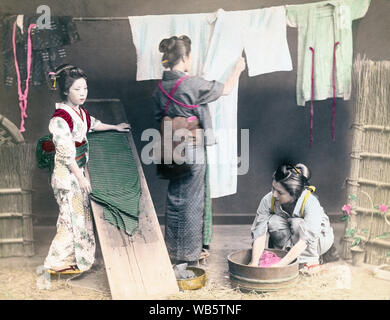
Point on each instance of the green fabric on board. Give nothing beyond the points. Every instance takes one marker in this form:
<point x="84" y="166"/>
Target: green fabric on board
<point x="114" y="179"/>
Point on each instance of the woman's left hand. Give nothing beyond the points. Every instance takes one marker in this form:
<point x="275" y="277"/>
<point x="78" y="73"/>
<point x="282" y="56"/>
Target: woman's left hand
<point x="123" y="127"/>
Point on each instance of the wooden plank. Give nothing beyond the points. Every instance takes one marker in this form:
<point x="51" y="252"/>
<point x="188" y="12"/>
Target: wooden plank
<point x="138" y="266"/>
<point x="120" y="273"/>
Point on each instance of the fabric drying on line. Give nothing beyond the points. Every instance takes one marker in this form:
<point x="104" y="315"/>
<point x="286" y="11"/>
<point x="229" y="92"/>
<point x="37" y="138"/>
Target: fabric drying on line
<point x="218" y="40"/>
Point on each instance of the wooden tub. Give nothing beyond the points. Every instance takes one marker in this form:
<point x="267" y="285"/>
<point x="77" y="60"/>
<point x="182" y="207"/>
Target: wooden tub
<point x="248" y="278"/>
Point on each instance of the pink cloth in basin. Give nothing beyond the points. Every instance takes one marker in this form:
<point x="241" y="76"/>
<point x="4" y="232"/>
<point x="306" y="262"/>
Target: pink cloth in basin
<point x="268" y="259"/>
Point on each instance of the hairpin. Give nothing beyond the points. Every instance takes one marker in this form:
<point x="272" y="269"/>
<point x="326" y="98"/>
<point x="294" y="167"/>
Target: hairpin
<point x="53" y="78"/>
<point x="296" y="170"/>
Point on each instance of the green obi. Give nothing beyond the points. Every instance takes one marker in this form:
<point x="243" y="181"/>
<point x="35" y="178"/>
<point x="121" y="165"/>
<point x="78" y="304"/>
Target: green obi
<point x="45" y="152"/>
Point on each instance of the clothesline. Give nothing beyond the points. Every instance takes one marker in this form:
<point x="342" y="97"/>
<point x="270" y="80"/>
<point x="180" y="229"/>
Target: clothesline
<point x="99" y="18"/>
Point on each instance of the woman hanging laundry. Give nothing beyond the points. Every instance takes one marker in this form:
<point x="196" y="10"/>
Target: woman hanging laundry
<point x="295" y="221"/>
<point x="181" y="101"/>
<point x="73" y="248"/>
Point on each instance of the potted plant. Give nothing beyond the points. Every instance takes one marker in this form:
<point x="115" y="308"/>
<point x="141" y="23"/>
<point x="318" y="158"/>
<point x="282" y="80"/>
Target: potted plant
<point x="358" y="250"/>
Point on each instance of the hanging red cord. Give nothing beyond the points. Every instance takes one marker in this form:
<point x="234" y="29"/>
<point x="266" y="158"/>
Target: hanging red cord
<point x="23" y="95"/>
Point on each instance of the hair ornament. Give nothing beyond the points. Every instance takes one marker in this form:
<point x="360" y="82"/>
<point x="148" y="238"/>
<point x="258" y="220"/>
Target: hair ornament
<point x="53" y="76"/>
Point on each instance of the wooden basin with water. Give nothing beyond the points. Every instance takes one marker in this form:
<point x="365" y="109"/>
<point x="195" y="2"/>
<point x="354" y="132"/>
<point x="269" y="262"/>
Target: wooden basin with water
<point x="260" y="279"/>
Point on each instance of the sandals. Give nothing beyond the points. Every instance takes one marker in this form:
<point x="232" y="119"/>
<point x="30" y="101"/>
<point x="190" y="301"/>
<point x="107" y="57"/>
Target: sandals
<point x="203" y="256"/>
<point x="68" y="270"/>
<point x="309" y="270"/>
<point x="201" y="260"/>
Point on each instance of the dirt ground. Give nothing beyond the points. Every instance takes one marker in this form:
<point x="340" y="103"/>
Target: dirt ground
<point x="330" y="283"/>
<point x="26" y="284"/>
<point x="336" y="281"/>
<point x="22" y="279"/>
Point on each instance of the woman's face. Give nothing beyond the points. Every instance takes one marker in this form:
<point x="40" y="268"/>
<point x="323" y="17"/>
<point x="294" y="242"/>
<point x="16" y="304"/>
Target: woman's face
<point x="78" y="92"/>
<point x="280" y="193"/>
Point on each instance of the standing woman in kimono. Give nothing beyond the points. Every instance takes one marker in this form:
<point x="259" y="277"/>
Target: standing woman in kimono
<point x="73" y="247"/>
<point x="295" y="221"/>
<point x="182" y="100"/>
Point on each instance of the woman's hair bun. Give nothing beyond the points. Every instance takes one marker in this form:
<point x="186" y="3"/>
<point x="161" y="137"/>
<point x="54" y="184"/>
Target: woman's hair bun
<point x="59" y="71"/>
<point x="304" y="170"/>
<point x="167" y="45"/>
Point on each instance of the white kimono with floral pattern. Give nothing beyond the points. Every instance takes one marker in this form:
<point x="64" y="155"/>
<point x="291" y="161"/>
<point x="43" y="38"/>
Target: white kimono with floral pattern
<point x="74" y="243"/>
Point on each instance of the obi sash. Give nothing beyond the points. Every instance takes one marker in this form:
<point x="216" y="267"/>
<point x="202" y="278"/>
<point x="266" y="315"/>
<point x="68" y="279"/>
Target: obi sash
<point x="45" y="152"/>
<point x="45" y="149"/>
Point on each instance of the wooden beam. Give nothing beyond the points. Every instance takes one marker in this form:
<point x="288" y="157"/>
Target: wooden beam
<point x="376" y="128"/>
<point x="14" y="215"/>
<point x="14" y="240"/>
<point x="375" y="155"/>
<point x="374" y="183"/>
<point x="14" y="190"/>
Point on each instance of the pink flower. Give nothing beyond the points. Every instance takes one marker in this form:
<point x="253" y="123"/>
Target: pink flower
<point x="383" y="208"/>
<point x="347" y="208"/>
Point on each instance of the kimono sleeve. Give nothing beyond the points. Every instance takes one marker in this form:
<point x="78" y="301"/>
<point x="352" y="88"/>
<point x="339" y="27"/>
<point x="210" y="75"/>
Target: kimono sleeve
<point x="310" y="229"/>
<point x="62" y="139"/>
<point x="94" y="123"/>
<point x="359" y="8"/>
<point x="260" y="224"/>
<point x="206" y="91"/>
<point x="158" y="111"/>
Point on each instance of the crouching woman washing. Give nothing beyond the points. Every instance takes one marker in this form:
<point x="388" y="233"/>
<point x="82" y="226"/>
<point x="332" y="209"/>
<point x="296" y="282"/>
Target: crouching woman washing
<point x="294" y="219"/>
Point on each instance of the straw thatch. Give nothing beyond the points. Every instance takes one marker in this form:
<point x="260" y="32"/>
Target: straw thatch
<point x="369" y="176"/>
<point x="17" y="162"/>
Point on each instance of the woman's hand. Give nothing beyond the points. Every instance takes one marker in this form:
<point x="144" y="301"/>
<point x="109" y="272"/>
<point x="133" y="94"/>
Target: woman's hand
<point x="232" y="80"/>
<point x="122" y="127"/>
<point x="85" y="185"/>
<point x="240" y="64"/>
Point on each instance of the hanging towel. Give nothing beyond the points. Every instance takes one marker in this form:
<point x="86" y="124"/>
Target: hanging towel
<point x="218" y="39"/>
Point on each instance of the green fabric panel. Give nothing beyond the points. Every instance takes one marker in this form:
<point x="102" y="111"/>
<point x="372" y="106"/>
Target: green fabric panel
<point x="114" y="179"/>
<point x="208" y="213"/>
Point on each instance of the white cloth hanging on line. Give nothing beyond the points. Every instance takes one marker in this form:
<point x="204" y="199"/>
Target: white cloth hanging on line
<point x="218" y="39"/>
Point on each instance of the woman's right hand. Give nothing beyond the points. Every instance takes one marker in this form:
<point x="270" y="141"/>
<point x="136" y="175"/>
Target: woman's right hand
<point x="85" y="185"/>
<point x="240" y="64"/>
